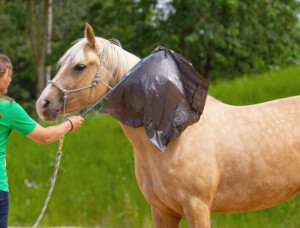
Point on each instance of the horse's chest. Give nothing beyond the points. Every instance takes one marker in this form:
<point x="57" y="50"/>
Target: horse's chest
<point x="157" y="189"/>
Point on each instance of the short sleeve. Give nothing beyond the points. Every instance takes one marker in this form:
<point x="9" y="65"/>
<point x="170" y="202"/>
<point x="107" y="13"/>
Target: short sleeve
<point x="20" y="120"/>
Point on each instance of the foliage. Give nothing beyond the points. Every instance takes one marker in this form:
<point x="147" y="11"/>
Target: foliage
<point x="222" y="38"/>
<point x="228" y="38"/>
<point x="96" y="184"/>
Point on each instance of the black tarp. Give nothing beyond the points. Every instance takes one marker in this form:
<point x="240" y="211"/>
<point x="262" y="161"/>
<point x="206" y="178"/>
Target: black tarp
<point x="163" y="93"/>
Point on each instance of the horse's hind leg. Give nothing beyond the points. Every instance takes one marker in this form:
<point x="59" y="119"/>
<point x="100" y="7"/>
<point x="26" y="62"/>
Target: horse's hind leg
<point x="164" y="220"/>
<point x="197" y="214"/>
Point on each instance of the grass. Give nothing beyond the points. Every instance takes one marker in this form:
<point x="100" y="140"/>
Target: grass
<point x="96" y="185"/>
<point x="258" y="88"/>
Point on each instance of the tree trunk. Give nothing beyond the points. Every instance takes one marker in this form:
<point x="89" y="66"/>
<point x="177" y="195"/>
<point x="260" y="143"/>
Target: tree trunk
<point x="50" y="20"/>
<point x="39" y="36"/>
<point x="40" y="78"/>
<point x="199" y="55"/>
<point x="209" y="65"/>
<point x="41" y="82"/>
<point x="187" y="50"/>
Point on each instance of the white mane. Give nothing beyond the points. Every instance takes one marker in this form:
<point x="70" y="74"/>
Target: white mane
<point x="116" y="60"/>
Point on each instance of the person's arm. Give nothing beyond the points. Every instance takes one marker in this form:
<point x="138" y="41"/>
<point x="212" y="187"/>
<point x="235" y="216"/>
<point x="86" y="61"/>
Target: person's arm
<point x="53" y="133"/>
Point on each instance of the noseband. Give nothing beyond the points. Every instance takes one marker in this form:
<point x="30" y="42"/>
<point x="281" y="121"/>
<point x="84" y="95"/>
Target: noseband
<point x="97" y="79"/>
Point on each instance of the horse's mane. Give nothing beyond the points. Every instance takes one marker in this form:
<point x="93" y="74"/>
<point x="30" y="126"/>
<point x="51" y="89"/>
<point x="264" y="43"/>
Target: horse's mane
<point x="115" y="58"/>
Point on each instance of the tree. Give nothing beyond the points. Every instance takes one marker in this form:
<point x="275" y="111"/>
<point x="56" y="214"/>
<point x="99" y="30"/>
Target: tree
<point x="129" y="21"/>
<point x="49" y="36"/>
<point x="38" y="34"/>
<point x="225" y="38"/>
<point x="222" y="38"/>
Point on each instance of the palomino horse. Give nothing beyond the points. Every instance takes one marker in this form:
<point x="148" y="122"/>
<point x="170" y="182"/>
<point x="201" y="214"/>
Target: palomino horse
<point x="234" y="159"/>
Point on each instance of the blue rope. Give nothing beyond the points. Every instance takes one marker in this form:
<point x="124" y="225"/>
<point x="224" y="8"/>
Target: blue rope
<point x="58" y="156"/>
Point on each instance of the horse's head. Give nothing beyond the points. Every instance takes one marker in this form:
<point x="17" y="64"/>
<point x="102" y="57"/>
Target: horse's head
<point x="78" y="69"/>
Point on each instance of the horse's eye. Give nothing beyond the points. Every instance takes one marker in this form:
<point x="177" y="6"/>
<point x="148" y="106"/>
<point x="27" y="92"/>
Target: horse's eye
<point x="79" y="67"/>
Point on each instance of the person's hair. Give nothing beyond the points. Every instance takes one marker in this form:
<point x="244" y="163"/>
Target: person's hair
<point x="5" y="64"/>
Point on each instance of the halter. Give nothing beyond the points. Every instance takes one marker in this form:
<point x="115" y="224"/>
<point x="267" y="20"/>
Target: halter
<point x="97" y="79"/>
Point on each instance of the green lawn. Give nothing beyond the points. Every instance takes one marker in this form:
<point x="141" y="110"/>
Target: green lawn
<point x="258" y="88"/>
<point x="96" y="184"/>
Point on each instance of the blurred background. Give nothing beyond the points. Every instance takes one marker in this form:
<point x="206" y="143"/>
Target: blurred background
<point x="248" y="49"/>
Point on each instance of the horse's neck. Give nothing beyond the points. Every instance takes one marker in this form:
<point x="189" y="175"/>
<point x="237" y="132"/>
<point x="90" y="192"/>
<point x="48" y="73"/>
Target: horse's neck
<point x="126" y="62"/>
<point x="131" y="60"/>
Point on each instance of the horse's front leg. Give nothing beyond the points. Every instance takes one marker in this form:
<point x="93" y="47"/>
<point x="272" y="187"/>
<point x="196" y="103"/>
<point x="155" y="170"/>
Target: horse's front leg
<point x="197" y="214"/>
<point x="164" y="220"/>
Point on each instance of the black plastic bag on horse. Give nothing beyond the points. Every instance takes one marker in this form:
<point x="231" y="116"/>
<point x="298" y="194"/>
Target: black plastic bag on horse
<point x="163" y="93"/>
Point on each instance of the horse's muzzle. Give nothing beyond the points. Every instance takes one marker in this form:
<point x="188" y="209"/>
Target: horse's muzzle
<point x="47" y="110"/>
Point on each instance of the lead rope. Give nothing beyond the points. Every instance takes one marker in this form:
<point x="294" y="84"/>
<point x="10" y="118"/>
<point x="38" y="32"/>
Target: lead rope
<point x="98" y="78"/>
<point x="58" y="156"/>
<point x="57" y="162"/>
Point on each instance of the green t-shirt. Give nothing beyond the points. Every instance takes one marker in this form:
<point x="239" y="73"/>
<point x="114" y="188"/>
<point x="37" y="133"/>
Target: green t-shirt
<point x="14" y="117"/>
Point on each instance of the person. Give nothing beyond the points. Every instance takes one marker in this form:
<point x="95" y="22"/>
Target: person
<point x="14" y="117"/>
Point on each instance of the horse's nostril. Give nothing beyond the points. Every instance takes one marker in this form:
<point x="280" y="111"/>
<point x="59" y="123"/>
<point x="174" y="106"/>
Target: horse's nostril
<point x="45" y="104"/>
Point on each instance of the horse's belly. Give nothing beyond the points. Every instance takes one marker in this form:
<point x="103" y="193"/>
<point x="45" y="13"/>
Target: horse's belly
<point x="237" y="206"/>
<point x="254" y="193"/>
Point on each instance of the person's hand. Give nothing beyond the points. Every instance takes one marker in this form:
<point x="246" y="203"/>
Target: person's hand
<point x="76" y="121"/>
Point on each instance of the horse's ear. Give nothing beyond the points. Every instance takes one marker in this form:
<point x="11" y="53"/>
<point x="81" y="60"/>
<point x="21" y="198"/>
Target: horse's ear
<point x="89" y="34"/>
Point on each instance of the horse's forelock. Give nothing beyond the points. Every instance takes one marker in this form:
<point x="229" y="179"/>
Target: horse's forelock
<point x="75" y="52"/>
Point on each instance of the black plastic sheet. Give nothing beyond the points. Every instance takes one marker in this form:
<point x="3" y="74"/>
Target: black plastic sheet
<point x="163" y="93"/>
